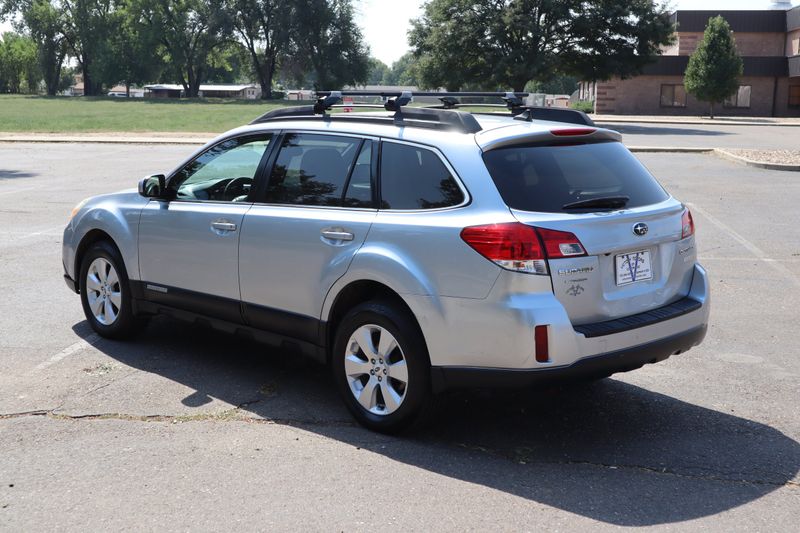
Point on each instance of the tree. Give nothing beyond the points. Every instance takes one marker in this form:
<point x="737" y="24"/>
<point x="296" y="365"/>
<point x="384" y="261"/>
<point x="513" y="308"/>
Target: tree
<point x="404" y="71"/>
<point x="715" y="67"/>
<point x="505" y="43"/>
<point x="265" y="29"/>
<point x="44" y="22"/>
<point x="18" y="64"/>
<point x="190" y="31"/>
<point x="379" y="72"/>
<point x="330" y="43"/>
<point x="88" y="25"/>
<point x="134" y="46"/>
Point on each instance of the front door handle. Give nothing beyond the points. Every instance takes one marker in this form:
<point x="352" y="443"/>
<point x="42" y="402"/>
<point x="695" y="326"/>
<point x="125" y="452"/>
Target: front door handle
<point x="337" y="235"/>
<point x="223" y="226"/>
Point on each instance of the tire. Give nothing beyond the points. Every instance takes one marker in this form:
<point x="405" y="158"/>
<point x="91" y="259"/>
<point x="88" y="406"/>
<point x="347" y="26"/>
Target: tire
<point x="105" y="293"/>
<point x="395" y="390"/>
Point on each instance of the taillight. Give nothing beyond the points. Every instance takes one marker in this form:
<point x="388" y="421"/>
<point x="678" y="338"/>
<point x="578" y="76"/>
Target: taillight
<point x="521" y="248"/>
<point x="559" y="244"/>
<point x="572" y="132"/>
<point x="687" y="224"/>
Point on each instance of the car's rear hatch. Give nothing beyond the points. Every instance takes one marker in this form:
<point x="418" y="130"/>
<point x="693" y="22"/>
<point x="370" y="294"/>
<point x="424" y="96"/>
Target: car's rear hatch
<point x="636" y="258"/>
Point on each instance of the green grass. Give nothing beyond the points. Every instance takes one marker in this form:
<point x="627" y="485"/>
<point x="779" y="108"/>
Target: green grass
<point x="79" y="114"/>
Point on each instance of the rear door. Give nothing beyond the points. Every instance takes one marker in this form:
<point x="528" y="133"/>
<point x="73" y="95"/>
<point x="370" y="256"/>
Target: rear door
<point x="636" y="258"/>
<point x="303" y="232"/>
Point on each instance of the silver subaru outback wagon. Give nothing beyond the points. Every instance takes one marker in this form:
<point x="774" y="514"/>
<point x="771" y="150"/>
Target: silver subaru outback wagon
<point x="413" y="250"/>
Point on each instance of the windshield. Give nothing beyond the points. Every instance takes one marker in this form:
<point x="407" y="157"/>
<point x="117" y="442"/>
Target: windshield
<point x="556" y="179"/>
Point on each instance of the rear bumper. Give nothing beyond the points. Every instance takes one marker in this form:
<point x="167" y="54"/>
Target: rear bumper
<point x="444" y="378"/>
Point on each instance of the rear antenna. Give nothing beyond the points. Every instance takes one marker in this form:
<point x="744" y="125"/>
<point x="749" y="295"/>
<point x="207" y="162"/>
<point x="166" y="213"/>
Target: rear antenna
<point x="325" y="103"/>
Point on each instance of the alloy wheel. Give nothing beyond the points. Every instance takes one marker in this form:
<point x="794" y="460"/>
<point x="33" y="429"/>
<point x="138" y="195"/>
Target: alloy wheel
<point x="103" y="291"/>
<point x="376" y="369"/>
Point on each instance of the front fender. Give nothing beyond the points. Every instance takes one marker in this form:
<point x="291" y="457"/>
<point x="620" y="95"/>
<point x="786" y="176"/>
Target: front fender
<point x="116" y="215"/>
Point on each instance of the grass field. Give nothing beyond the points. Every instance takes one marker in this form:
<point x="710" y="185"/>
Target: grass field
<point x="73" y="114"/>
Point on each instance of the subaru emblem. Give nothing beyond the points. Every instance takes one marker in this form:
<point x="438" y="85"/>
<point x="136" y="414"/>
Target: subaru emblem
<point x="640" y="229"/>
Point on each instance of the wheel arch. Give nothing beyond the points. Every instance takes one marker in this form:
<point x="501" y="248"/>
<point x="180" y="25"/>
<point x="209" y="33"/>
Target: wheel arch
<point x="355" y="293"/>
<point x="91" y="237"/>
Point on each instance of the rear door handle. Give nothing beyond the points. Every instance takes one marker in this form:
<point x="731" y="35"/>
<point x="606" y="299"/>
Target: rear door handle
<point x="223" y="226"/>
<point x="338" y="235"/>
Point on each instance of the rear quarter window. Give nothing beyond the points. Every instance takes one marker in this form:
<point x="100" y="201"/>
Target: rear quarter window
<point x="413" y="177"/>
<point x="546" y="178"/>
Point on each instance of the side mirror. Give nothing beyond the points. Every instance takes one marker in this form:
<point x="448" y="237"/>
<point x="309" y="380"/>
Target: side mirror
<point x="153" y="186"/>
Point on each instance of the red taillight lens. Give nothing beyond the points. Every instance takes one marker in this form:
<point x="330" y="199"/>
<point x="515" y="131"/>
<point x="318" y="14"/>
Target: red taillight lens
<point x="687" y="223"/>
<point x="572" y="132"/>
<point x="560" y="243"/>
<point x="522" y="248"/>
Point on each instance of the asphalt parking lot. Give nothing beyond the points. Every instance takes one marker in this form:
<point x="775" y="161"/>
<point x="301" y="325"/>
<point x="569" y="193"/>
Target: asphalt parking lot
<point x="188" y="429"/>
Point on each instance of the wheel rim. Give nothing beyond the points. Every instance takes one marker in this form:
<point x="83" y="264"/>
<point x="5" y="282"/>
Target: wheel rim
<point x="103" y="291"/>
<point x="376" y="370"/>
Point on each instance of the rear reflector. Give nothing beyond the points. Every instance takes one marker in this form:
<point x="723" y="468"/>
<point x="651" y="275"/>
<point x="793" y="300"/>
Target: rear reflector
<point x="687" y="223"/>
<point x="522" y="248"/>
<point x="542" y="344"/>
<point x="572" y="132"/>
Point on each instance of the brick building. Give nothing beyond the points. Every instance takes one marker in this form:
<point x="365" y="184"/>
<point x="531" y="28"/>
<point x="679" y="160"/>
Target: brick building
<point x="767" y="40"/>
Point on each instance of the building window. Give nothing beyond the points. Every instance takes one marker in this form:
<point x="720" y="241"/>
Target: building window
<point x="673" y="96"/>
<point x="740" y="98"/>
<point x="794" y="96"/>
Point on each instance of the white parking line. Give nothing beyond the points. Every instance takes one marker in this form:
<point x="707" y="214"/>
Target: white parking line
<point x="752" y="248"/>
<point x="69" y="350"/>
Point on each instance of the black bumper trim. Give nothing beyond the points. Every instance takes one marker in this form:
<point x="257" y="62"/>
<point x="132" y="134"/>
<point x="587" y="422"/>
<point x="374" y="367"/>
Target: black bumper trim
<point x="73" y="286"/>
<point x="648" y="318"/>
<point x="444" y="378"/>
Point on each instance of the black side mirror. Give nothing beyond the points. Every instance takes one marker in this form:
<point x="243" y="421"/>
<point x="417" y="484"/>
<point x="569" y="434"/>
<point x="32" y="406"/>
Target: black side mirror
<point x="153" y="186"/>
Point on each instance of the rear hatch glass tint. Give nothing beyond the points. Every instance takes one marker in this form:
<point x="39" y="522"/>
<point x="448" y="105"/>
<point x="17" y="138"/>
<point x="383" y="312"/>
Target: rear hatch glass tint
<point x="547" y="178"/>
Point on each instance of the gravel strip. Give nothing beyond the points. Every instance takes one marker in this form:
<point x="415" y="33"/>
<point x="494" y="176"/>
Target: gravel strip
<point x="781" y="157"/>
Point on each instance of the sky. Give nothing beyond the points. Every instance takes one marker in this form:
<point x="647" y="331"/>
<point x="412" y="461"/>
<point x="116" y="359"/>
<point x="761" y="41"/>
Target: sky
<point x="386" y="22"/>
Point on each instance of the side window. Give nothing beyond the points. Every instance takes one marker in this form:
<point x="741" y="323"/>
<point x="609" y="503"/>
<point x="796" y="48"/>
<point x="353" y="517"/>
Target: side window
<point x="359" y="188"/>
<point x="312" y="169"/>
<point x="415" y="178"/>
<point x="225" y="172"/>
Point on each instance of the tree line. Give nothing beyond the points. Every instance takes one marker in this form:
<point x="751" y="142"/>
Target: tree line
<point x="315" y="42"/>
<point x="456" y="44"/>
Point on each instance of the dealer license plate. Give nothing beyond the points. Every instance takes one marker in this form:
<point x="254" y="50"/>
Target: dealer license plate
<point x="633" y="267"/>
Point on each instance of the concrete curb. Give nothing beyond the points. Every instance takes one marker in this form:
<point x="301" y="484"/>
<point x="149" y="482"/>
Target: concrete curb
<point x="619" y="120"/>
<point x="724" y="154"/>
<point x="102" y="140"/>
<point x="199" y="142"/>
<point x="670" y="150"/>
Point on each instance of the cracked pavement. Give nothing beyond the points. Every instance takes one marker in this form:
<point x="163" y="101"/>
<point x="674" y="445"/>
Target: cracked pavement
<point x="184" y="428"/>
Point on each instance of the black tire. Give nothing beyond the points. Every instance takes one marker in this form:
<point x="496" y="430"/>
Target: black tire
<point x="417" y="402"/>
<point x="126" y="323"/>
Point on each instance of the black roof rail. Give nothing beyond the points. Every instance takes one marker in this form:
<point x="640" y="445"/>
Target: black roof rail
<point x="443" y="116"/>
<point x="396" y="101"/>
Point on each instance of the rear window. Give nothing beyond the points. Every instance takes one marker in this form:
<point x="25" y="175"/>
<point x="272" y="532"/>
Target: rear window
<point x="546" y="178"/>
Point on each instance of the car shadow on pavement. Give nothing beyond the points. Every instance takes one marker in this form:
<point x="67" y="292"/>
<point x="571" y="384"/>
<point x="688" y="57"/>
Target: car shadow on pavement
<point x="663" y="130"/>
<point x="11" y="174"/>
<point x="609" y="451"/>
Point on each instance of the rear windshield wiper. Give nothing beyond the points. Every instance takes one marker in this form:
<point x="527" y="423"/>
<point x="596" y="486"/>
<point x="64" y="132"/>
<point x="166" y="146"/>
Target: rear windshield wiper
<point x="605" y="202"/>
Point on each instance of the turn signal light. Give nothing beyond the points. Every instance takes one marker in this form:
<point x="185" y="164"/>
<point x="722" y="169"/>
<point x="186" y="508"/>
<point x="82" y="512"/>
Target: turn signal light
<point x="521" y="248"/>
<point x="687" y="223"/>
